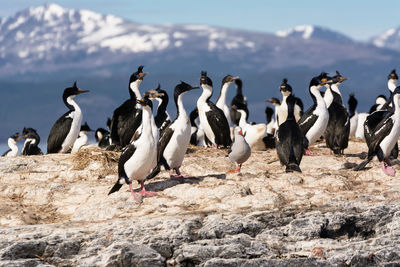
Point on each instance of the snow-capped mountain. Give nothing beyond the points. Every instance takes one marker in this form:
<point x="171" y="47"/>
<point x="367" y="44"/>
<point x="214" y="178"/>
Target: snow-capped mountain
<point x="51" y="38"/>
<point x="389" y="39"/>
<point x="313" y="32"/>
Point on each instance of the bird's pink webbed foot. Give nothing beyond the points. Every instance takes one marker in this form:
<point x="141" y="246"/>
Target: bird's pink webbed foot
<point x="142" y="192"/>
<point x="308" y="152"/>
<point x="178" y="174"/>
<point x="387" y="168"/>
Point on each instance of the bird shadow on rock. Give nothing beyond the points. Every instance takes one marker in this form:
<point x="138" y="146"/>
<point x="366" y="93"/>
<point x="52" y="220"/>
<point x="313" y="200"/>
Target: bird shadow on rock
<point x="162" y="185"/>
<point x="362" y="155"/>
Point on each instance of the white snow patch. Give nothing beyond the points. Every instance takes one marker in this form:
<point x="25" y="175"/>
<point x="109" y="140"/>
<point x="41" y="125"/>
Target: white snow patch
<point x="231" y="45"/>
<point x="179" y="35"/>
<point x="307" y="31"/>
<point x="178" y="43"/>
<point x="137" y="43"/>
<point x="212" y="45"/>
<point x="19" y="21"/>
<point x="108" y="31"/>
<point x="19" y="36"/>
<point x="23" y="54"/>
<point x="381" y="40"/>
<point x="250" y="44"/>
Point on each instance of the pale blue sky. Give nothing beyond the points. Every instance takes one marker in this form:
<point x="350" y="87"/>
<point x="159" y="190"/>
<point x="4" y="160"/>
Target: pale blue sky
<point x="358" y="19"/>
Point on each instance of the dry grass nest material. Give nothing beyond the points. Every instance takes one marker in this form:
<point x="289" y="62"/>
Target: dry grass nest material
<point x="84" y="157"/>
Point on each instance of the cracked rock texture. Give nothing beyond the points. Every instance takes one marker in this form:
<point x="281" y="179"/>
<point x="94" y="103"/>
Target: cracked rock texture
<point x="54" y="211"/>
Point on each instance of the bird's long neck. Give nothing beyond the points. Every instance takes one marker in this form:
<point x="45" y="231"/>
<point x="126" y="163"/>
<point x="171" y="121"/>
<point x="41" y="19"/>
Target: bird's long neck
<point x="146" y="122"/>
<point x="396" y="105"/>
<point x="13" y="145"/>
<point x="206" y="94"/>
<point x="71" y="104"/>
<point x="328" y="97"/>
<point x="134" y="92"/>
<point x="337" y="96"/>
<point x="290" y="107"/>
<point x="222" y="96"/>
<point x="392" y="84"/>
<point x="317" y="98"/>
<point x="179" y="106"/>
<point x="242" y="121"/>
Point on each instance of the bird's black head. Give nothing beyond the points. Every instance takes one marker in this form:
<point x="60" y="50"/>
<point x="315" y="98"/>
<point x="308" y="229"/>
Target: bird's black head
<point x="285" y="87"/>
<point x="393" y="75"/>
<point x="137" y="75"/>
<point x="16" y="137"/>
<point x="183" y="87"/>
<point x="205" y="79"/>
<point x="85" y="127"/>
<point x="319" y="80"/>
<point x="145" y="102"/>
<point x="73" y="91"/>
<point x="156" y="93"/>
<point x="100" y="132"/>
<point x="338" y="78"/>
<point x="228" y="79"/>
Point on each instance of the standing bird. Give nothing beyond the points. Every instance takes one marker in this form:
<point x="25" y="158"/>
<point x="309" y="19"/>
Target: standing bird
<point x="138" y="158"/>
<point x="221" y="101"/>
<point x="373" y="120"/>
<point x="32" y="141"/>
<point x="384" y="136"/>
<point x="12" y="144"/>
<point x="212" y="119"/>
<point x="314" y="121"/>
<point x="338" y="129"/>
<point x="176" y="137"/>
<point x="353" y="114"/>
<point x="240" y="150"/>
<point x="380" y="101"/>
<point x="127" y="117"/>
<point x="162" y="118"/>
<point x="66" y="129"/>
<point x="238" y="100"/>
<point x="289" y="138"/>
<point x="82" y="139"/>
<point x="102" y="137"/>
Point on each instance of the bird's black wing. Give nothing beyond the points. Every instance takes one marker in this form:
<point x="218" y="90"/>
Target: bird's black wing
<point x="125" y="156"/>
<point x="163" y="142"/>
<point x="307" y="120"/>
<point x="219" y="125"/>
<point x="381" y="131"/>
<point x="5" y="153"/>
<point x="58" y="133"/>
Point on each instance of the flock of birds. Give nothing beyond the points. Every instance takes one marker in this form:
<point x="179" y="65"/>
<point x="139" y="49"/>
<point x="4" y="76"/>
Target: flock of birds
<point x="150" y="143"/>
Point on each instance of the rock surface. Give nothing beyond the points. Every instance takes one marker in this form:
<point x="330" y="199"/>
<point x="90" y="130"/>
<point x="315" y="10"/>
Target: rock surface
<point x="54" y="211"/>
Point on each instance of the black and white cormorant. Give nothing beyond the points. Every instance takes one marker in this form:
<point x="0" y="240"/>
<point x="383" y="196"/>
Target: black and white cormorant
<point x="176" y="137"/>
<point x="353" y="114"/>
<point x="102" y="135"/>
<point x="276" y="103"/>
<point x="82" y="139"/>
<point x="162" y="118"/>
<point x="238" y="100"/>
<point x="376" y="117"/>
<point x="12" y="144"/>
<point x="384" y="136"/>
<point x="32" y="140"/>
<point x="127" y="117"/>
<point x="380" y="101"/>
<point x="286" y="90"/>
<point x="240" y="150"/>
<point x="66" y="129"/>
<point x="338" y="129"/>
<point x="212" y="119"/>
<point x="221" y="101"/>
<point x="289" y="138"/>
<point x="314" y="121"/>
<point x="138" y="158"/>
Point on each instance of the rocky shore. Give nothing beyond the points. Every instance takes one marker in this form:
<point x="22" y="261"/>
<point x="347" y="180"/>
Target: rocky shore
<point x="54" y="211"/>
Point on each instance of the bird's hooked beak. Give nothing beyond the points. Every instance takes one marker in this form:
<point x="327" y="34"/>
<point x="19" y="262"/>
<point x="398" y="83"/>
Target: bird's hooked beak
<point x="153" y="94"/>
<point x="80" y="91"/>
<point x="142" y="74"/>
<point x="240" y="132"/>
<point x="323" y="81"/>
<point x="141" y="102"/>
<point x="195" y="87"/>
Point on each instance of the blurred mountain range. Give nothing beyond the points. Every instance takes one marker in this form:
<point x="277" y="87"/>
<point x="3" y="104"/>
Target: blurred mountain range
<point x="44" y="49"/>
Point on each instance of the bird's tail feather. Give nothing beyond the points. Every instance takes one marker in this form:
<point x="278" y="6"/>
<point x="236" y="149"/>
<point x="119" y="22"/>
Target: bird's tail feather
<point x="115" y="188"/>
<point x="362" y="165"/>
